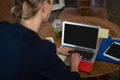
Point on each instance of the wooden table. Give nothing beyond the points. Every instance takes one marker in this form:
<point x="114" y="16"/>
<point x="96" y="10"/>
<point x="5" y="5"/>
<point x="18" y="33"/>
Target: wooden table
<point x="100" y="67"/>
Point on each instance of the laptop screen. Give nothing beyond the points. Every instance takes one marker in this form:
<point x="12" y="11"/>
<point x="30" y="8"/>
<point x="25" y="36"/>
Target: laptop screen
<point x="80" y="35"/>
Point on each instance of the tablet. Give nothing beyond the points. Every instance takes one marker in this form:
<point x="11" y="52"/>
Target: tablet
<point x="113" y="51"/>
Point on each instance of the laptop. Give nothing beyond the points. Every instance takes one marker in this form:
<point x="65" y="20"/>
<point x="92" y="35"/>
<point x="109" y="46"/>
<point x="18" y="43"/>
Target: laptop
<point x="81" y="37"/>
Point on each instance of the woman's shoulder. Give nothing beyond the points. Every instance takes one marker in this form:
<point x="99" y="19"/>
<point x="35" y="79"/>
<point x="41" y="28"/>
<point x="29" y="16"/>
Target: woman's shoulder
<point x="3" y="23"/>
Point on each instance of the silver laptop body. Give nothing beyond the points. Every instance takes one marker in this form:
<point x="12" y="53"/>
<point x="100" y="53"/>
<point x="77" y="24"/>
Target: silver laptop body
<point x="80" y="36"/>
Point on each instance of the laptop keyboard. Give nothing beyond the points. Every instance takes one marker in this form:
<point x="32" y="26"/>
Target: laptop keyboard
<point x="85" y="55"/>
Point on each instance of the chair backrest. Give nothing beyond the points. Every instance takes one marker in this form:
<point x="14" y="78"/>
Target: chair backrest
<point x="69" y="12"/>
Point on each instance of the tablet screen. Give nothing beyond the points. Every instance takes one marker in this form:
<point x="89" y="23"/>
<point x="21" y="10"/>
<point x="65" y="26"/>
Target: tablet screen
<point x="113" y="50"/>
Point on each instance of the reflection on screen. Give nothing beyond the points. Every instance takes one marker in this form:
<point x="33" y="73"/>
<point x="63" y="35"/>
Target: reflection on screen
<point x="81" y="36"/>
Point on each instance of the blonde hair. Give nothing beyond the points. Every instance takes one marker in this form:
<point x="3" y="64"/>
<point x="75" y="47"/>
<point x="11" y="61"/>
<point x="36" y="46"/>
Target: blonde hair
<point x="24" y="9"/>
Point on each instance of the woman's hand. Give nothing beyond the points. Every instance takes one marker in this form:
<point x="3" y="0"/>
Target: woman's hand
<point x="64" y="50"/>
<point x="75" y="59"/>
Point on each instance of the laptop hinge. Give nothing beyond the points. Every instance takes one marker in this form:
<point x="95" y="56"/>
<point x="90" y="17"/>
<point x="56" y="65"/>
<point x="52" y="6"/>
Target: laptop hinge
<point x="84" y="49"/>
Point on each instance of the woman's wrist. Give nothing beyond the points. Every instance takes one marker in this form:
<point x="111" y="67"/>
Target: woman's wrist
<point x="58" y="50"/>
<point x="74" y="69"/>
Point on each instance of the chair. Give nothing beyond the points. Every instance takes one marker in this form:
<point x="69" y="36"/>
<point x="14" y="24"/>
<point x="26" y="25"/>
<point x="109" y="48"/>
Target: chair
<point x="87" y="8"/>
<point x="69" y="11"/>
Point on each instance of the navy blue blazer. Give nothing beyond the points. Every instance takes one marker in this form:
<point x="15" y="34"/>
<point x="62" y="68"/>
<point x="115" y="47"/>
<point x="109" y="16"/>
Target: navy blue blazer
<point x="25" y="56"/>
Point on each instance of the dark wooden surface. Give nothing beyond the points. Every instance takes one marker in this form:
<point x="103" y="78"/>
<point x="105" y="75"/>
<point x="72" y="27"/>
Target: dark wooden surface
<point x="100" y="67"/>
<point x="5" y="11"/>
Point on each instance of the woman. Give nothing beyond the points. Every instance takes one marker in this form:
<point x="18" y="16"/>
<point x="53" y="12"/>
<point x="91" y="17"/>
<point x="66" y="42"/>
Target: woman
<point x="24" y="55"/>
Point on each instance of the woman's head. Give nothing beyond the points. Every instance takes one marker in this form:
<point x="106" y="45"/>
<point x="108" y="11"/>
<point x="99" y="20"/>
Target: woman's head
<point x="25" y="9"/>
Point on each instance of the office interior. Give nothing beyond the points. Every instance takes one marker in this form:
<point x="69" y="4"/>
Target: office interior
<point x="111" y="7"/>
